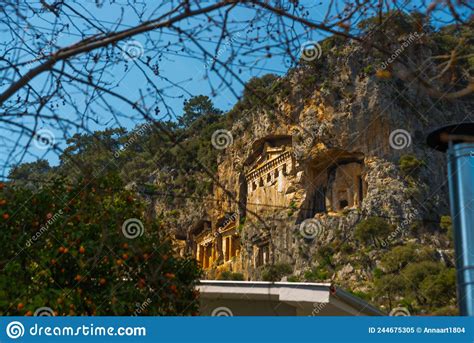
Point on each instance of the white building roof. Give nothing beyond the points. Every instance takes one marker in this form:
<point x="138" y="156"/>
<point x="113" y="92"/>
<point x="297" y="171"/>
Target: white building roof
<point x="261" y="298"/>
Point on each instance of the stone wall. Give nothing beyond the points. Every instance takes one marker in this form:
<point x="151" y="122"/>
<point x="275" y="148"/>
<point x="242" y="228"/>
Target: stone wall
<point x="341" y="166"/>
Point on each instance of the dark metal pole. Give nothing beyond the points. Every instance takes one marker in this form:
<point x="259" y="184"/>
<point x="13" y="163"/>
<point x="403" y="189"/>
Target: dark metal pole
<point x="458" y="142"/>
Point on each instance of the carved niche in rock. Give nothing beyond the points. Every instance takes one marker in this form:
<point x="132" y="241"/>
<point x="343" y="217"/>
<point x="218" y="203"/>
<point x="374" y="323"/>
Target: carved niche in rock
<point x="333" y="182"/>
<point x="261" y="249"/>
<point x="347" y="186"/>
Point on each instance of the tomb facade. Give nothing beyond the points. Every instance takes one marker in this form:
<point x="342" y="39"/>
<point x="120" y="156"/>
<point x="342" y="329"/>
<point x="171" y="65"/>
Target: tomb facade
<point x="334" y="181"/>
<point x="267" y="178"/>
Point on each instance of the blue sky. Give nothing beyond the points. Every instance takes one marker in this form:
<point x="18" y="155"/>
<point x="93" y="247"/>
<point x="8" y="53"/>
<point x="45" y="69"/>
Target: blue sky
<point x="173" y="64"/>
<point x="177" y="66"/>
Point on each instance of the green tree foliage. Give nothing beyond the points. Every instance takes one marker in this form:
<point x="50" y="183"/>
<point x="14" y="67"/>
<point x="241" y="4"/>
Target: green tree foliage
<point x="454" y="38"/>
<point x="89" y="154"/>
<point x="410" y="165"/>
<point x="316" y="274"/>
<point x="372" y="230"/>
<point x="227" y="275"/>
<point x="199" y="111"/>
<point x="439" y="289"/>
<point x="30" y="173"/>
<point x="401" y="256"/>
<point x="413" y="276"/>
<point x="65" y="247"/>
<point x="446" y="224"/>
<point x="276" y="271"/>
<point x="140" y="154"/>
<point x="259" y="93"/>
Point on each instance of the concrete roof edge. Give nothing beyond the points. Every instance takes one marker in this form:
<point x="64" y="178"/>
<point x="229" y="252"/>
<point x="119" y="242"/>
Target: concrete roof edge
<point x="356" y="302"/>
<point x="268" y="283"/>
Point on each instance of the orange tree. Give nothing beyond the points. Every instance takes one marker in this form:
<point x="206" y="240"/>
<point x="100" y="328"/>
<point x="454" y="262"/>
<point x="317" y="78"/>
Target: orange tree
<point x="87" y="249"/>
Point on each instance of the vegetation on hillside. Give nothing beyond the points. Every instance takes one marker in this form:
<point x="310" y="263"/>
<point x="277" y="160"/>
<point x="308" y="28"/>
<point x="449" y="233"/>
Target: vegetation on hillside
<point x="408" y="274"/>
<point x="88" y="249"/>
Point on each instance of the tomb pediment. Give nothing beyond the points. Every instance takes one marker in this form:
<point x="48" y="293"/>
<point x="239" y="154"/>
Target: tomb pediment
<point x="267" y="147"/>
<point x="201" y="225"/>
<point x="270" y="159"/>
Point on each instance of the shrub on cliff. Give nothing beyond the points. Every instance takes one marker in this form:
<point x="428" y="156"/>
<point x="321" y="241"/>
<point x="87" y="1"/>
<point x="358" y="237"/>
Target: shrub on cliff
<point x="410" y="165"/>
<point x="372" y="230"/>
<point x="275" y="272"/>
<point x="228" y="275"/>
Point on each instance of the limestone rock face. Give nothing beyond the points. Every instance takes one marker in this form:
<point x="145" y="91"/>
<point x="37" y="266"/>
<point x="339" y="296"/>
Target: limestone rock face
<point x="299" y="177"/>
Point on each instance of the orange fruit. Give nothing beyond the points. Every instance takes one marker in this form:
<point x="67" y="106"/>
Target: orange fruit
<point x="20" y="306"/>
<point x="383" y="74"/>
<point x="82" y="250"/>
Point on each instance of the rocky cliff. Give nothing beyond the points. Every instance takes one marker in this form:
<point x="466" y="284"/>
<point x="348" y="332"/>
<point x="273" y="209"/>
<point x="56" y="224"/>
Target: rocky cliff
<point x="327" y="177"/>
